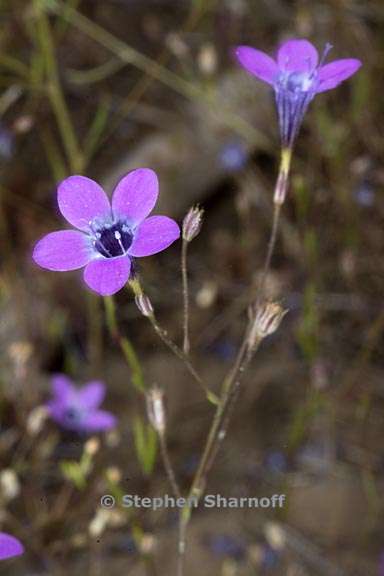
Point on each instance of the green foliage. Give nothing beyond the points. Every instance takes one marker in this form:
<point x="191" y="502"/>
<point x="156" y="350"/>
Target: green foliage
<point x="145" y="439"/>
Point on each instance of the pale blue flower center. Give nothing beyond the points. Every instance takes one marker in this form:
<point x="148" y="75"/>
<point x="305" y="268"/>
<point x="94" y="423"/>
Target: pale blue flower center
<point x="296" y="82"/>
<point x="74" y="415"/>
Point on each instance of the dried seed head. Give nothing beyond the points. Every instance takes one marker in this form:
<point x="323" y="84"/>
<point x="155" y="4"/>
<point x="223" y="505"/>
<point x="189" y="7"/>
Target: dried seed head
<point x="192" y="223"/>
<point x="155" y="409"/>
<point x="267" y="320"/>
<point x="92" y="446"/>
<point x="144" y="304"/>
<point x="9" y="484"/>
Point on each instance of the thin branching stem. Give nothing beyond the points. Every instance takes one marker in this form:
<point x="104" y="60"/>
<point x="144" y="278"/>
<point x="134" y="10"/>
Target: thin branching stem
<point x="232" y="382"/>
<point x="168" y="465"/>
<point x="163" y="335"/>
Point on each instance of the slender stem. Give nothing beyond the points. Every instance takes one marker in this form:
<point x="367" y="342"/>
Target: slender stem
<point x="184" y="273"/>
<point x="168" y="465"/>
<point x="184" y="516"/>
<point x="232" y="382"/>
<point x="278" y="200"/>
<point x="270" y="250"/>
<point x="125" y="345"/>
<point x="176" y="350"/>
<point x="138" y="291"/>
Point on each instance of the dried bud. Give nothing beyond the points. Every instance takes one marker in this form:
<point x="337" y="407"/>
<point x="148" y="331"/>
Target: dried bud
<point x="155" y="409"/>
<point x="192" y="223"/>
<point x="9" y="484"/>
<point x="92" y="446"/>
<point x="36" y="419"/>
<point x="144" y="304"/>
<point x="267" y="320"/>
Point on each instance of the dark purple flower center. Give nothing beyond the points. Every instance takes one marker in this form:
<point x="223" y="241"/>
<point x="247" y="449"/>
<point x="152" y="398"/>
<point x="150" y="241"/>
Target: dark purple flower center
<point x="113" y="240"/>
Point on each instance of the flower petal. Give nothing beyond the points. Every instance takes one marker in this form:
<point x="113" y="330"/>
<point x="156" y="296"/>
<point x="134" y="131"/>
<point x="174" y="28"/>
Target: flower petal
<point x="98" y="421"/>
<point x="135" y="195"/>
<point x="81" y="200"/>
<point x="107" y="275"/>
<point x="9" y="546"/>
<point x="154" y="235"/>
<point x="62" y="387"/>
<point x="92" y="395"/>
<point x="257" y="63"/>
<point x="331" y="75"/>
<point x="297" y="56"/>
<point x="63" y="250"/>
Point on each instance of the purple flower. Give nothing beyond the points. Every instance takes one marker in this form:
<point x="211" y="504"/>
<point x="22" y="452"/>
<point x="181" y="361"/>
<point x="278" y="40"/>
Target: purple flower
<point x="9" y="546"/>
<point x="78" y="408"/>
<point x="109" y="237"/>
<point x="297" y="76"/>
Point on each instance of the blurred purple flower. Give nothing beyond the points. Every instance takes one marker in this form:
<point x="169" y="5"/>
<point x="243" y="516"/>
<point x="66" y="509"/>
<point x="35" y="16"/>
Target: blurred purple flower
<point x="296" y="76"/>
<point x="109" y="237"/>
<point x="9" y="546"/>
<point x="78" y="408"/>
<point x="233" y="156"/>
<point x="7" y="143"/>
<point x="276" y="463"/>
<point x="227" y="546"/>
<point x="270" y="558"/>
<point x="381" y="564"/>
<point x="365" y="195"/>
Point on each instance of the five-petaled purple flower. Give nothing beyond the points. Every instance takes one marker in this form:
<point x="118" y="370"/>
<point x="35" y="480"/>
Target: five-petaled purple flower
<point x="77" y="409"/>
<point x="297" y="76"/>
<point x="9" y="546"/>
<point x="109" y="237"/>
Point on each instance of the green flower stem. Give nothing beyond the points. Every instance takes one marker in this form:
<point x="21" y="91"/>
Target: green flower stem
<point x="124" y="343"/>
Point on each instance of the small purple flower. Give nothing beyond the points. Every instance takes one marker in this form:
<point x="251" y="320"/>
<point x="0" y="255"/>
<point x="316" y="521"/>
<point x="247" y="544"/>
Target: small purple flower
<point x="77" y="409"/>
<point x="9" y="546"/>
<point x="109" y="237"/>
<point x="296" y="76"/>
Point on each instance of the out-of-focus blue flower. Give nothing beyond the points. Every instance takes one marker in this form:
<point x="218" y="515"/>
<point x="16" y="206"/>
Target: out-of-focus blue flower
<point x="297" y="76"/>
<point x="224" y="545"/>
<point x="7" y="143"/>
<point x="270" y="558"/>
<point x="233" y="156"/>
<point x="276" y="462"/>
<point x="381" y="564"/>
<point x="365" y="195"/>
<point x="224" y="349"/>
<point x="77" y="409"/>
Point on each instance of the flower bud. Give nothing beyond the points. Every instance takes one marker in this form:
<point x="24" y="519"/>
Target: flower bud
<point x="267" y="320"/>
<point x="144" y="304"/>
<point x="155" y="409"/>
<point x="192" y="223"/>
